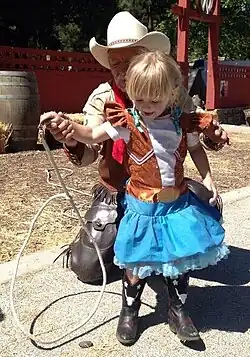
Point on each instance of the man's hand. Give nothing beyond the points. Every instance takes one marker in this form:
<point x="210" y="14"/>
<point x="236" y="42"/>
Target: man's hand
<point x="220" y="138"/>
<point x="220" y="133"/>
<point x="60" y="127"/>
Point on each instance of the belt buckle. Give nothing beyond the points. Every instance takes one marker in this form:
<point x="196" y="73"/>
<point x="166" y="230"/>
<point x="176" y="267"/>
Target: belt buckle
<point x="168" y="194"/>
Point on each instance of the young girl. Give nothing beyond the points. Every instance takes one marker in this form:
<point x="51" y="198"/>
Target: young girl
<point x="166" y="229"/>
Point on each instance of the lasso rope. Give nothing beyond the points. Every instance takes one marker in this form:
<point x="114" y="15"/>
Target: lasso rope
<point x="66" y="195"/>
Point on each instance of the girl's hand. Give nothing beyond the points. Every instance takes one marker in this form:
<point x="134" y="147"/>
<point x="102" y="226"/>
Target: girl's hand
<point x="209" y="184"/>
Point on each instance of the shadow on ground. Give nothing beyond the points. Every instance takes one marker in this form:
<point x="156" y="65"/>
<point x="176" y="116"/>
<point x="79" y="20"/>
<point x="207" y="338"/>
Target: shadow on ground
<point x="223" y="307"/>
<point x="2" y="316"/>
<point x="232" y="271"/>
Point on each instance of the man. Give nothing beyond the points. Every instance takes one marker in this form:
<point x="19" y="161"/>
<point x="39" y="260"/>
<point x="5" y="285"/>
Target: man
<point x="126" y="37"/>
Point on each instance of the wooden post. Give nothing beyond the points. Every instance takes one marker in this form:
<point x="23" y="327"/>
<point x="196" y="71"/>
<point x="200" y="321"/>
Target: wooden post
<point x="183" y="39"/>
<point x="213" y="82"/>
<point x="185" y="14"/>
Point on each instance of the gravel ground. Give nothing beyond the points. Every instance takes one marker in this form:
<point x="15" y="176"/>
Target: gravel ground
<point x="219" y="304"/>
<point x="23" y="189"/>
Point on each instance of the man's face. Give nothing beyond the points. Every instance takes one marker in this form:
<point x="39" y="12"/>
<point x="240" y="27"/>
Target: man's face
<point x="119" y="59"/>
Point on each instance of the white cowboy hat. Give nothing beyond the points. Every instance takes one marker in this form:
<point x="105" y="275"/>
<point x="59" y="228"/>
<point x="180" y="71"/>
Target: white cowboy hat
<point x="124" y="30"/>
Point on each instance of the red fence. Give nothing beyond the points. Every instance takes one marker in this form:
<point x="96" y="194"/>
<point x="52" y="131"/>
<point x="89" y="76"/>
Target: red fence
<point x="234" y="86"/>
<point x="65" y="79"/>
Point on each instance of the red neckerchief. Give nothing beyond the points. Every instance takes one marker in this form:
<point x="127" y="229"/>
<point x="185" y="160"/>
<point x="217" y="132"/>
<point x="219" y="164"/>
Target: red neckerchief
<point x="119" y="146"/>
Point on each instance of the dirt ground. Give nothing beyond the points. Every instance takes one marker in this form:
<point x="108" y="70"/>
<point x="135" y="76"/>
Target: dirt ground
<point x="23" y="189"/>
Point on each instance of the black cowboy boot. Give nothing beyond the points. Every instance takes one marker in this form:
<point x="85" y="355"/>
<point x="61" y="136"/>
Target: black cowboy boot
<point x="178" y="317"/>
<point x="127" y="329"/>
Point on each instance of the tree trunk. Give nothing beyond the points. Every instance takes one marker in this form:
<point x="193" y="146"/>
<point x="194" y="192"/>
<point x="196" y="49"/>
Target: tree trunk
<point x="150" y="19"/>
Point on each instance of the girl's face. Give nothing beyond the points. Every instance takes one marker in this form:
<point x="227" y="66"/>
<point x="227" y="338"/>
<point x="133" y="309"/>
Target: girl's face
<point x="150" y="109"/>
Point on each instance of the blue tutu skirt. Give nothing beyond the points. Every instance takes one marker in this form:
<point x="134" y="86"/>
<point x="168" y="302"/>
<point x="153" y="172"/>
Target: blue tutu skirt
<point x="169" y="238"/>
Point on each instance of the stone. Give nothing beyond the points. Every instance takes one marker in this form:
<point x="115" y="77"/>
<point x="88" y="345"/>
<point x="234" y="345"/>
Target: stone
<point x="86" y="344"/>
<point x="232" y="116"/>
<point x="247" y="115"/>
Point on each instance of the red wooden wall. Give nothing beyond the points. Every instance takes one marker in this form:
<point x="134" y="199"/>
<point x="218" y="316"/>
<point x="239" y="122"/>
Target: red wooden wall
<point x="65" y="79"/>
<point x="234" y="85"/>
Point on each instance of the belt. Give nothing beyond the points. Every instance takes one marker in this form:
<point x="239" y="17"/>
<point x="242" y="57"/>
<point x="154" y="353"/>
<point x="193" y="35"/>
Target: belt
<point x="168" y="194"/>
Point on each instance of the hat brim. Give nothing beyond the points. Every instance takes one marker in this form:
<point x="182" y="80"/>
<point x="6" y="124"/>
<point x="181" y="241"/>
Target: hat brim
<point x="152" y="41"/>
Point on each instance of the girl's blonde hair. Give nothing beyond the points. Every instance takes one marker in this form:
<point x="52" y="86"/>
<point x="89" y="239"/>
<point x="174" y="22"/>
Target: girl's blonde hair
<point x="153" y="76"/>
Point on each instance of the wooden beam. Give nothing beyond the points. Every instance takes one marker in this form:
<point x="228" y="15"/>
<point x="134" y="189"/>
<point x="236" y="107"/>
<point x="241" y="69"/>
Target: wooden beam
<point x="195" y="15"/>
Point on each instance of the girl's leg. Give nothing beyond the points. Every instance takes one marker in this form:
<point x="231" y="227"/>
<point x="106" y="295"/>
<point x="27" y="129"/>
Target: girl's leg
<point x="132" y="288"/>
<point x="178" y="317"/>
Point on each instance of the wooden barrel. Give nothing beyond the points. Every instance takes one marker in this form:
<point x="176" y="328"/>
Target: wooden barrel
<point x="20" y="105"/>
